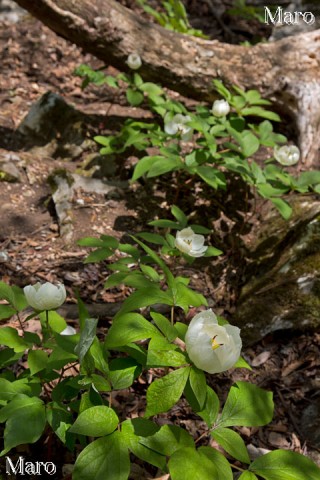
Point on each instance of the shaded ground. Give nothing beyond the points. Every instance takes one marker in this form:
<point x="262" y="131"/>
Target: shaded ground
<point x="34" y="61"/>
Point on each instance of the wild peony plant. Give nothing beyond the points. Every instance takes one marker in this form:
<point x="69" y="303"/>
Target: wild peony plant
<point x="287" y="155"/>
<point x="212" y="347"/>
<point x="46" y="296"/>
<point x="134" y="61"/>
<point x="145" y="354"/>
<point x="220" y="108"/>
<point x="190" y="243"/>
<point x="178" y="124"/>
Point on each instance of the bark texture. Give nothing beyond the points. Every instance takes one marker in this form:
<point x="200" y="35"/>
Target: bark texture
<point x="286" y="71"/>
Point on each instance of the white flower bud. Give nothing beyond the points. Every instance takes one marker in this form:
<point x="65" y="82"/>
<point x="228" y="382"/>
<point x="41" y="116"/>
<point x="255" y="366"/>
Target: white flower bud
<point x="287" y="155"/>
<point x="211" y="347"/>
<point x="177" y="124"/>
<point x="134" y="61"/>
<point x="68" y="331"/>
<point x="46" y="296"/>
<point x="191" y="243"/>
<point x="220" y="108"/>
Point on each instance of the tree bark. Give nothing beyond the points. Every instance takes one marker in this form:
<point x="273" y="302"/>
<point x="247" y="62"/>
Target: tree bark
<point x="286" y="72"/>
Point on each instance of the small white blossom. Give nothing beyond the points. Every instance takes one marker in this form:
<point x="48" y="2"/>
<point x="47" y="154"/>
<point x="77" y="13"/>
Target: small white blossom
<point x="287" y="155"/>
<point x="191" y="243"/>
<point x="134" y="61"/>
<point x="46" y="296"/>
<point x="68" y="331"/>
<point x="211" y="347"/>
<point x="220" y="108"/>
<point x="177" y="124"/>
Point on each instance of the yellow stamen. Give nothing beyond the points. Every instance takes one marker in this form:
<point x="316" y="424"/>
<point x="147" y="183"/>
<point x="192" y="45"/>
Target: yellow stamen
<point x="215" y="344"/>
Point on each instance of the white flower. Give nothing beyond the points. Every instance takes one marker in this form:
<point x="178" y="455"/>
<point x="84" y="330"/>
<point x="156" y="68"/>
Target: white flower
<point x="220" y="108"/>
<point x="68" y="331"/>
<point x="287" y="155"/>
<point x="211" y="347"/>
<point x="46" y="296"/>
<point x="134" y="61"/>
<point x="177" y="124"/>
<point x="191" y="243"/>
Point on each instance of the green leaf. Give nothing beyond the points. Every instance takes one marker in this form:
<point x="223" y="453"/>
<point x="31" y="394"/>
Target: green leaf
<point x="212" y="252"/>
<point x="185" y="297"/>
<point x="129" y="327"/>
<point x="198" y="384"/>
<point x="152" y="238"/>
<point x="99" y="382"/>
<point x="164" y="326"/>
<point x="283" y="207"/>
<point x="158" y="261"/>
<point x="59" y="358"/>
<point x="179" y="215"/>
<point x="181" y="329"/>
<point x="134" y="97"/>
<point x="59" y="420"/>
<point x="6" y="293"/>
<point x="87" y="336"/>
<point x="248" y="476"/>
<point x="168" y="440"/>
<point x="164" y="166"/>
<point x="165" y="224"/>
<point x="211" y="176"/>
<point x="95" y="422"/>
<point x="105" y="458"/>
<point x="190" y="464"/>
<point x="161" y="353"/>
<point x="247" y="405"/>
<point x="260" y="112"/>
<point x="241" y="363"/>
<point x="37" y="361"/>
<point x="137" y="79"/>
<point x="143" y="165"/>
<point x="103" y="241"/>
<point x="232" y="443"/>
<point x="99" y="356"/>
<point x="224" y="92"/>
<point x="123" y="372"/>
<point x="8" y="390"/>
<point x="115" y="279"/>
<point x="249" y="143"/>
<point x="165" y="392"/>
<point x="211" y="407"/>
<point x="99" y="255"/>
<point x="138" y="429"/>
<point x="150" y="272"/>
<point x="285" y="465"/>
<point x="151" y="88"/>
<point x="10" y="337"/>
<point x="6" y="311"/>
<point x="222" y="465"/>
<point x="25" y="421"/>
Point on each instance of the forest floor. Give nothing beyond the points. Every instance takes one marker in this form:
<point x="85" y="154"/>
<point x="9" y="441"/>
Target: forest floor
<point x="34" y="61"/>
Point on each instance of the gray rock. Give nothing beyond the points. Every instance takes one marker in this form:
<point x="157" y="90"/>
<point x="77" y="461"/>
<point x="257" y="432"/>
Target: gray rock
<point x="10" y="11"/>
<point x="53" y="123"/>
<point x="9" y="172"/>
<point x="283" y="276"/>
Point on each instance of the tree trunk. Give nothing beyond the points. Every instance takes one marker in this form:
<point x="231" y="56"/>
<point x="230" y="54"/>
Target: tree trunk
<point x="286" y="72"/>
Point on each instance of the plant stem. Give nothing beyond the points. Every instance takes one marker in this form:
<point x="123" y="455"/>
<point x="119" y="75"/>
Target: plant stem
<point x="19" y="319"/>
<point x="172" y="315"/>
